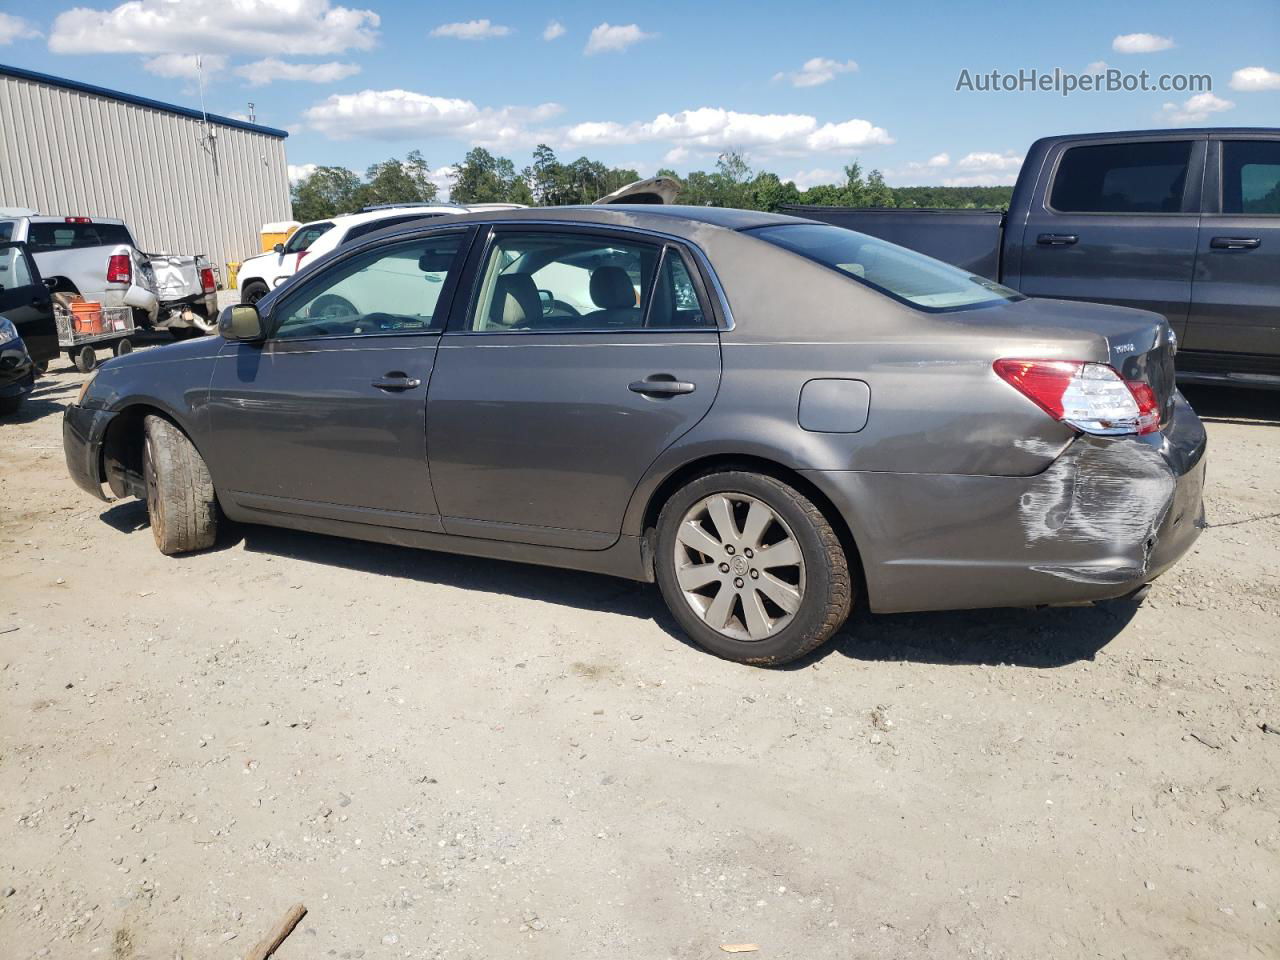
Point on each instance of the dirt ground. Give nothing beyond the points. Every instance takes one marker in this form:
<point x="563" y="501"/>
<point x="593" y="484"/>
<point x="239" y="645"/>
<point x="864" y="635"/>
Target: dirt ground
<point x="447" y="757"/>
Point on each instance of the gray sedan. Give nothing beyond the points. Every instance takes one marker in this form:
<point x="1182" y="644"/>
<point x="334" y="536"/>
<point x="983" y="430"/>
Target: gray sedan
<point x="769" y="417"/>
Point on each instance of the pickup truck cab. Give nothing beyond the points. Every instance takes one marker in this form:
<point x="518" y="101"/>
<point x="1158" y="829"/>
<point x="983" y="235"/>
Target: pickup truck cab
<point x="91" y="256"/>
<point x="259" y="275"/>
<point x="1182" y="222"/>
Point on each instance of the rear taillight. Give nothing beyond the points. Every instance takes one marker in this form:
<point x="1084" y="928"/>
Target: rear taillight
<point x="77" y="220"/>
<point x="207" y="282"/>
<point x="120" y="268"/>
<point x="1091" y="397"/>
<point x="297" y="264"/>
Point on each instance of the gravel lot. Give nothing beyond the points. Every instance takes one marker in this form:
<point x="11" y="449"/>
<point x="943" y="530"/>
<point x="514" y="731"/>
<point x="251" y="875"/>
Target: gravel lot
<point x="446" y="757"/>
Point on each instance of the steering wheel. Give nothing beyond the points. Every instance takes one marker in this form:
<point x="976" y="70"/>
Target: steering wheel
<point x="330" y="306"/>
<point x="568" y="308"/>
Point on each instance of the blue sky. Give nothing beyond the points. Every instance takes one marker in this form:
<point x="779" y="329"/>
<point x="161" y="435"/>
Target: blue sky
<point x="800" y="88"/>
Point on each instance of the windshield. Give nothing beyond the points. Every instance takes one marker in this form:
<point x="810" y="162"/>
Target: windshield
<point x="305" y="236"/>
<point x="901" y="273"/>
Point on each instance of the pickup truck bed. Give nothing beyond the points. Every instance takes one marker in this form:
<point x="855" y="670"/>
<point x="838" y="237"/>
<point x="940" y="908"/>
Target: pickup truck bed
<point x="1185" y="223"/>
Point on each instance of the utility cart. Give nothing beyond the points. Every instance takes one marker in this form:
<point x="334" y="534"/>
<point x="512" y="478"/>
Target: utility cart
<point x="81" y="333"/>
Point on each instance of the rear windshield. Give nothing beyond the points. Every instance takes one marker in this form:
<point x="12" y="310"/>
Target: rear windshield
<point x="69" y="236"/>
<point x="901" y="273"/>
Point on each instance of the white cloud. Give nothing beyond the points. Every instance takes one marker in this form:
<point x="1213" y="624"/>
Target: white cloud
<point x="712" y="128"/>
<point x="442" y="177"/>
<point x="553" y="31"/>
<point x="939" y="160"/>
<point x="817" y="71"/>
<point x="1096" y="68"/>
<point x="403" y="114"/>
<point x="608" y="39"/>
<point x="184" y="65"/>
<point x="1195" y="109"/>
<point x="1255" y="78"/>
<point x="300" y="171"/>
<point x="1141" y="43"/>
<point x="983" y="162"/>
<point x="471" y="30"/>
<point x="263" y="72"/>
<point x="804" y="179"/>
<point x="215" y="26"/>
<point x="15" y="28"/>
<point x="676" y="155"/>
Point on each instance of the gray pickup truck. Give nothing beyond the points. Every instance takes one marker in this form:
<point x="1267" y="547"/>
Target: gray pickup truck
<point x="1182" y="222"/>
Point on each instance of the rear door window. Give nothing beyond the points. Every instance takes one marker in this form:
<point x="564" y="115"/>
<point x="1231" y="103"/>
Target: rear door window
<point x="1145" y="177"/>
<point x="43" y="237"/>
<point x="6" y="230"/>
<point x="1251" y="177"/>
<point x="366" y="228"/>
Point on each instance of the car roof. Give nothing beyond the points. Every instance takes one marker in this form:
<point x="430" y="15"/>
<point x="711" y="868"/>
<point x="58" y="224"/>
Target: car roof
<point x="354" y="219"/>
<point x="680" y="220"/>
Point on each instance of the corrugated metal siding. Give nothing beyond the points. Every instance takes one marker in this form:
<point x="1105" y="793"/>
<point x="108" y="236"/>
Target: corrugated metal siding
<point x="69" y="153"/>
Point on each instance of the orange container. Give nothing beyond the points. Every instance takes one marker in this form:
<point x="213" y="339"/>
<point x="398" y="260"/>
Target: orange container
<point x="86" y="317"/>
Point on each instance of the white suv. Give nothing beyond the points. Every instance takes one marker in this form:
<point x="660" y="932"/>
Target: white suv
<point x="261" y="274"/>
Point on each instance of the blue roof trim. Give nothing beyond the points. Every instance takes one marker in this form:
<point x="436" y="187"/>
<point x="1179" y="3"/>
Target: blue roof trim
<point x="53" y="81"/>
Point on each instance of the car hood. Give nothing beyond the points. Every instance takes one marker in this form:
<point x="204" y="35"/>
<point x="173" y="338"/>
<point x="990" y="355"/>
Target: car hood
<point x="181" y="351"/>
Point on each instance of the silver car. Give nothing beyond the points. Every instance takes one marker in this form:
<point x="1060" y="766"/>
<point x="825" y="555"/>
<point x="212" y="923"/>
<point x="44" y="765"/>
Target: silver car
<point x="771" y="418"/>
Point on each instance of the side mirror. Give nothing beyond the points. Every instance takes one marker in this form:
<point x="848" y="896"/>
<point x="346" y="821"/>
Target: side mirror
<point x="548" y="301"/>
<point x="240" y="322"/>
<point x="278" y="248"/>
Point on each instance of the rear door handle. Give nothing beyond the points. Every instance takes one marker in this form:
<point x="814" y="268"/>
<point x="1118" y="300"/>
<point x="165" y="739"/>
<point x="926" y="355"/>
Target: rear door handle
<point x="1057" y="239"/>
<point x="396" y="381"/>
<point x="654" y="387"/>
<point x="1235" y="243"/>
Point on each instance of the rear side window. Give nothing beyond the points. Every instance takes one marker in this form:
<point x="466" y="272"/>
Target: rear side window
<point x="1251" y="176"/>
<point x="903" y="274"/>
<point x="70" y="236"/>
<point x="6" y="230"/>
<point x="1122" y="178"/>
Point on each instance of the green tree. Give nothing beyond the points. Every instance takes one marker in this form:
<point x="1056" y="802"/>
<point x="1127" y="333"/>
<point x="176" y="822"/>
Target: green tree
<point x="327" y="192"/>
<point x="395" y="181"/>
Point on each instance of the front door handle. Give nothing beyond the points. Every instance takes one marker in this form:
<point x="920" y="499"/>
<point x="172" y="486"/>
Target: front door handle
<point x="661" y="385"/>
<point x="1057" y="239"/>
<point x="396" y="381"/>
<point x="1235" y="243"/>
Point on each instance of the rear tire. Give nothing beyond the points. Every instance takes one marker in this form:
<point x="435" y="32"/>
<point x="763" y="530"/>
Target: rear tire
<point x="751" y="622"/>
<point x="253" y="291"/>
<point x="122" y="347"/>
<point x="180" y="498"/>
<point x="84" y="358"/>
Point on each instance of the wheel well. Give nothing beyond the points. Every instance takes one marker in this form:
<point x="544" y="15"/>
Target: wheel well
<point x="726" y="462"/>
<point x="62" y="285"/>
<point x="122" y="448"/>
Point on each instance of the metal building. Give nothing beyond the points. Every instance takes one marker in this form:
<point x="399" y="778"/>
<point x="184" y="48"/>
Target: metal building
<point x="185" y="182"/>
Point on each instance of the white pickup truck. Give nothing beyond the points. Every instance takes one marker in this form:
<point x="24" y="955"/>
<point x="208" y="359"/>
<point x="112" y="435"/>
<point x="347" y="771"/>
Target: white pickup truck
<point x="97" y="258"/>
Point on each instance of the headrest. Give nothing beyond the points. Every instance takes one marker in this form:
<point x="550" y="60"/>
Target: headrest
<point x="611" y="288"/>
<point x="515" y="301"/>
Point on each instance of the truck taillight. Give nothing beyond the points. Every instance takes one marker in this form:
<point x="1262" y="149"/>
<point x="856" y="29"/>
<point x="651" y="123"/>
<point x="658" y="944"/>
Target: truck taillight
<point x="297" y="264"/>
<point x="1091" y="397"/>
<point x="207" y="282"/>
<point x="120" y="268"/>
<point x="77" y="220"/>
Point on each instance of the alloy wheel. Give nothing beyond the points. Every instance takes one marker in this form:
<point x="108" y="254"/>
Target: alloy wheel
<point x="739" y="566"/>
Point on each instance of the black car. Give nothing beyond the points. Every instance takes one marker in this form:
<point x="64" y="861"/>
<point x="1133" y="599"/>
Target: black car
<point x="17" y="371"/>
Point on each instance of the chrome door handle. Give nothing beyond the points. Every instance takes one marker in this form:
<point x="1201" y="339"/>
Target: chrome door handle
<point x="396" y="382"/>
<point x="661" y="388"/>
<point x="1057" y="239"/>
<point x="1235" y="243"/>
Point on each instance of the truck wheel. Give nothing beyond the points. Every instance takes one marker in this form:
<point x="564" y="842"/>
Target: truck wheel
<point x="180" y="498"/>
<point x="122" y="347"/>
<point x="84" y="358"/>
<point x="751" y="569"/>
<point x="253" y="291"/>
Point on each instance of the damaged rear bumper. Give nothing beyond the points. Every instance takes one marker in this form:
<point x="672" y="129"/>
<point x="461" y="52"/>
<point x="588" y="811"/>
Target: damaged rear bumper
<point x="1109" y="515"/>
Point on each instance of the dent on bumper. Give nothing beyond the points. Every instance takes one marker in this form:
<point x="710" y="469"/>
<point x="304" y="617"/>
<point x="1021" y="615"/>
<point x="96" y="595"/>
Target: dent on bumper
<point x="1107" y="516"/>
<point x="83" y="430"/>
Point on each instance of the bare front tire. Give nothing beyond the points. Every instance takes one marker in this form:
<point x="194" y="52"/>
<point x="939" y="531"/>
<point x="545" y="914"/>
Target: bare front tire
<point x="180" y="497"/>
<point x="253" y="291"/>
<point x="751" y="568"/>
